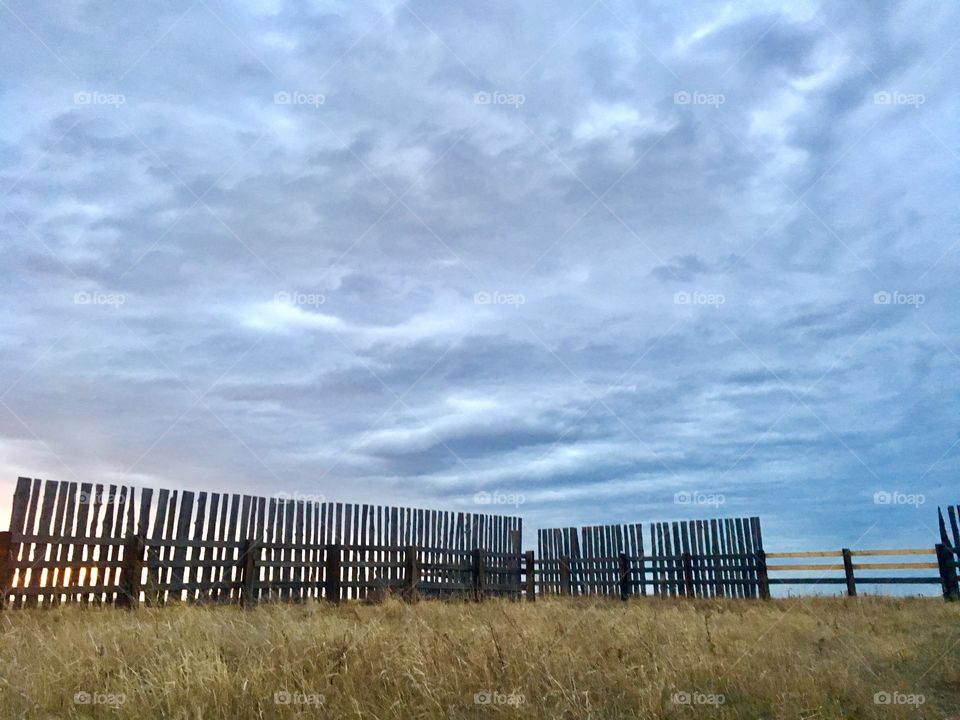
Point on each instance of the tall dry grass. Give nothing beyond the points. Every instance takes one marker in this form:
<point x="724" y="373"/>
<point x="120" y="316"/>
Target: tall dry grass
<point x="809" y="658"/>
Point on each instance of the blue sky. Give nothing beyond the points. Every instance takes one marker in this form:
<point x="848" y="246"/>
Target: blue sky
<point x="606" y="262"/>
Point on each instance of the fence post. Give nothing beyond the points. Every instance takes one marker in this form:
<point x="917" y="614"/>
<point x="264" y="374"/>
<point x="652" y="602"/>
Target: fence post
<point x="848" y="572"/>
<point x="5" y="562"/>
<point x="411" y="573"/>
<point x="531" y="577"/>
<point x="249" y="573"/>
<point x="948" y="573"/>
<point x="516" y="540"/>
<point x="130" y="571"/>
<point x="762" y="576"/>
<point x="564" y="575"/>
<point x="624" y="577"/>
<point x="687" y="574"/>
<point x="478" y="572"/>
<point x="331" y="580"/>
<point x="643" y="574"/>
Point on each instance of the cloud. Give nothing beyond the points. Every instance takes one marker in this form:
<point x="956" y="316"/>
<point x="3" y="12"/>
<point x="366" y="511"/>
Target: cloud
<point x="409" y="252"/>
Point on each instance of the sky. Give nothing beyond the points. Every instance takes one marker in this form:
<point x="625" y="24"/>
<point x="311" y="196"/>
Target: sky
<point x="582" y="262"/>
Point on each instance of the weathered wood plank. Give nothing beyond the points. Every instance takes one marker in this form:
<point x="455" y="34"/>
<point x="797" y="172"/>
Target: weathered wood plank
<point x="47" y="507"/>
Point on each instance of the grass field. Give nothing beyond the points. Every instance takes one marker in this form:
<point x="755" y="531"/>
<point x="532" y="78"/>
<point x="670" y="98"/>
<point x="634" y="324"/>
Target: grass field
<point x="809" y="658"/>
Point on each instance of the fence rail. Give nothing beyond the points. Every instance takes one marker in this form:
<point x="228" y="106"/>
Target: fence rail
<point x="944" y="562"/>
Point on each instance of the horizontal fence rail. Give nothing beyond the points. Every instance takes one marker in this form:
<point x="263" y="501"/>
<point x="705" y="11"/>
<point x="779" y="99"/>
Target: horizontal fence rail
<point x="844" y="567"/>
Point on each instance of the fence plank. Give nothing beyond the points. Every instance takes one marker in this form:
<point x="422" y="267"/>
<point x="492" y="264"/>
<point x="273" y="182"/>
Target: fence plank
<point x="80" y="551"/>
<point x="952" y="511"/>
<point x="59" y="553"/>
<point x="153" y="574"/>
<point x="47" y="506"/>
<point x="182" y="533"/>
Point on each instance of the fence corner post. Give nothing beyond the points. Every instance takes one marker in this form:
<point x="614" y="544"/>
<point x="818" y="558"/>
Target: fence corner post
<point x="478" y="572"/>
<point x="130" y="571"/>
<point x="530" y="577"/>
<point x="948" y="573"/>
<point x="6" y="575"/>
<point x="565" y="575"/>
<point x="848" y="572"/>
<point x="624" y="577"/>
<point x="332" y="568"/>
<point x="411" y="572"/>
<point x="250" y="573"/>
<point x="762" y="575"/>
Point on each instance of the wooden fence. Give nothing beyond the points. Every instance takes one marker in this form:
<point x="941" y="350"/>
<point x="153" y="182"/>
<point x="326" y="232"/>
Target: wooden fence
<point x="97" y="544"/>
<point x="844" y="567"/>
<point x="94" y="543"/>
<point x="693" y="558"/>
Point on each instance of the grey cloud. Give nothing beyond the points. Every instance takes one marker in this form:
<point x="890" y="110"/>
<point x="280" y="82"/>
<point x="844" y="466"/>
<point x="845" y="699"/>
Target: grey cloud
<point x="594" y="391"/>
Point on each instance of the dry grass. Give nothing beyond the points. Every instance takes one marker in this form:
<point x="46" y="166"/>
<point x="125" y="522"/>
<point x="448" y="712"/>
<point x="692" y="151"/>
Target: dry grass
<point x="814" y="658"/>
